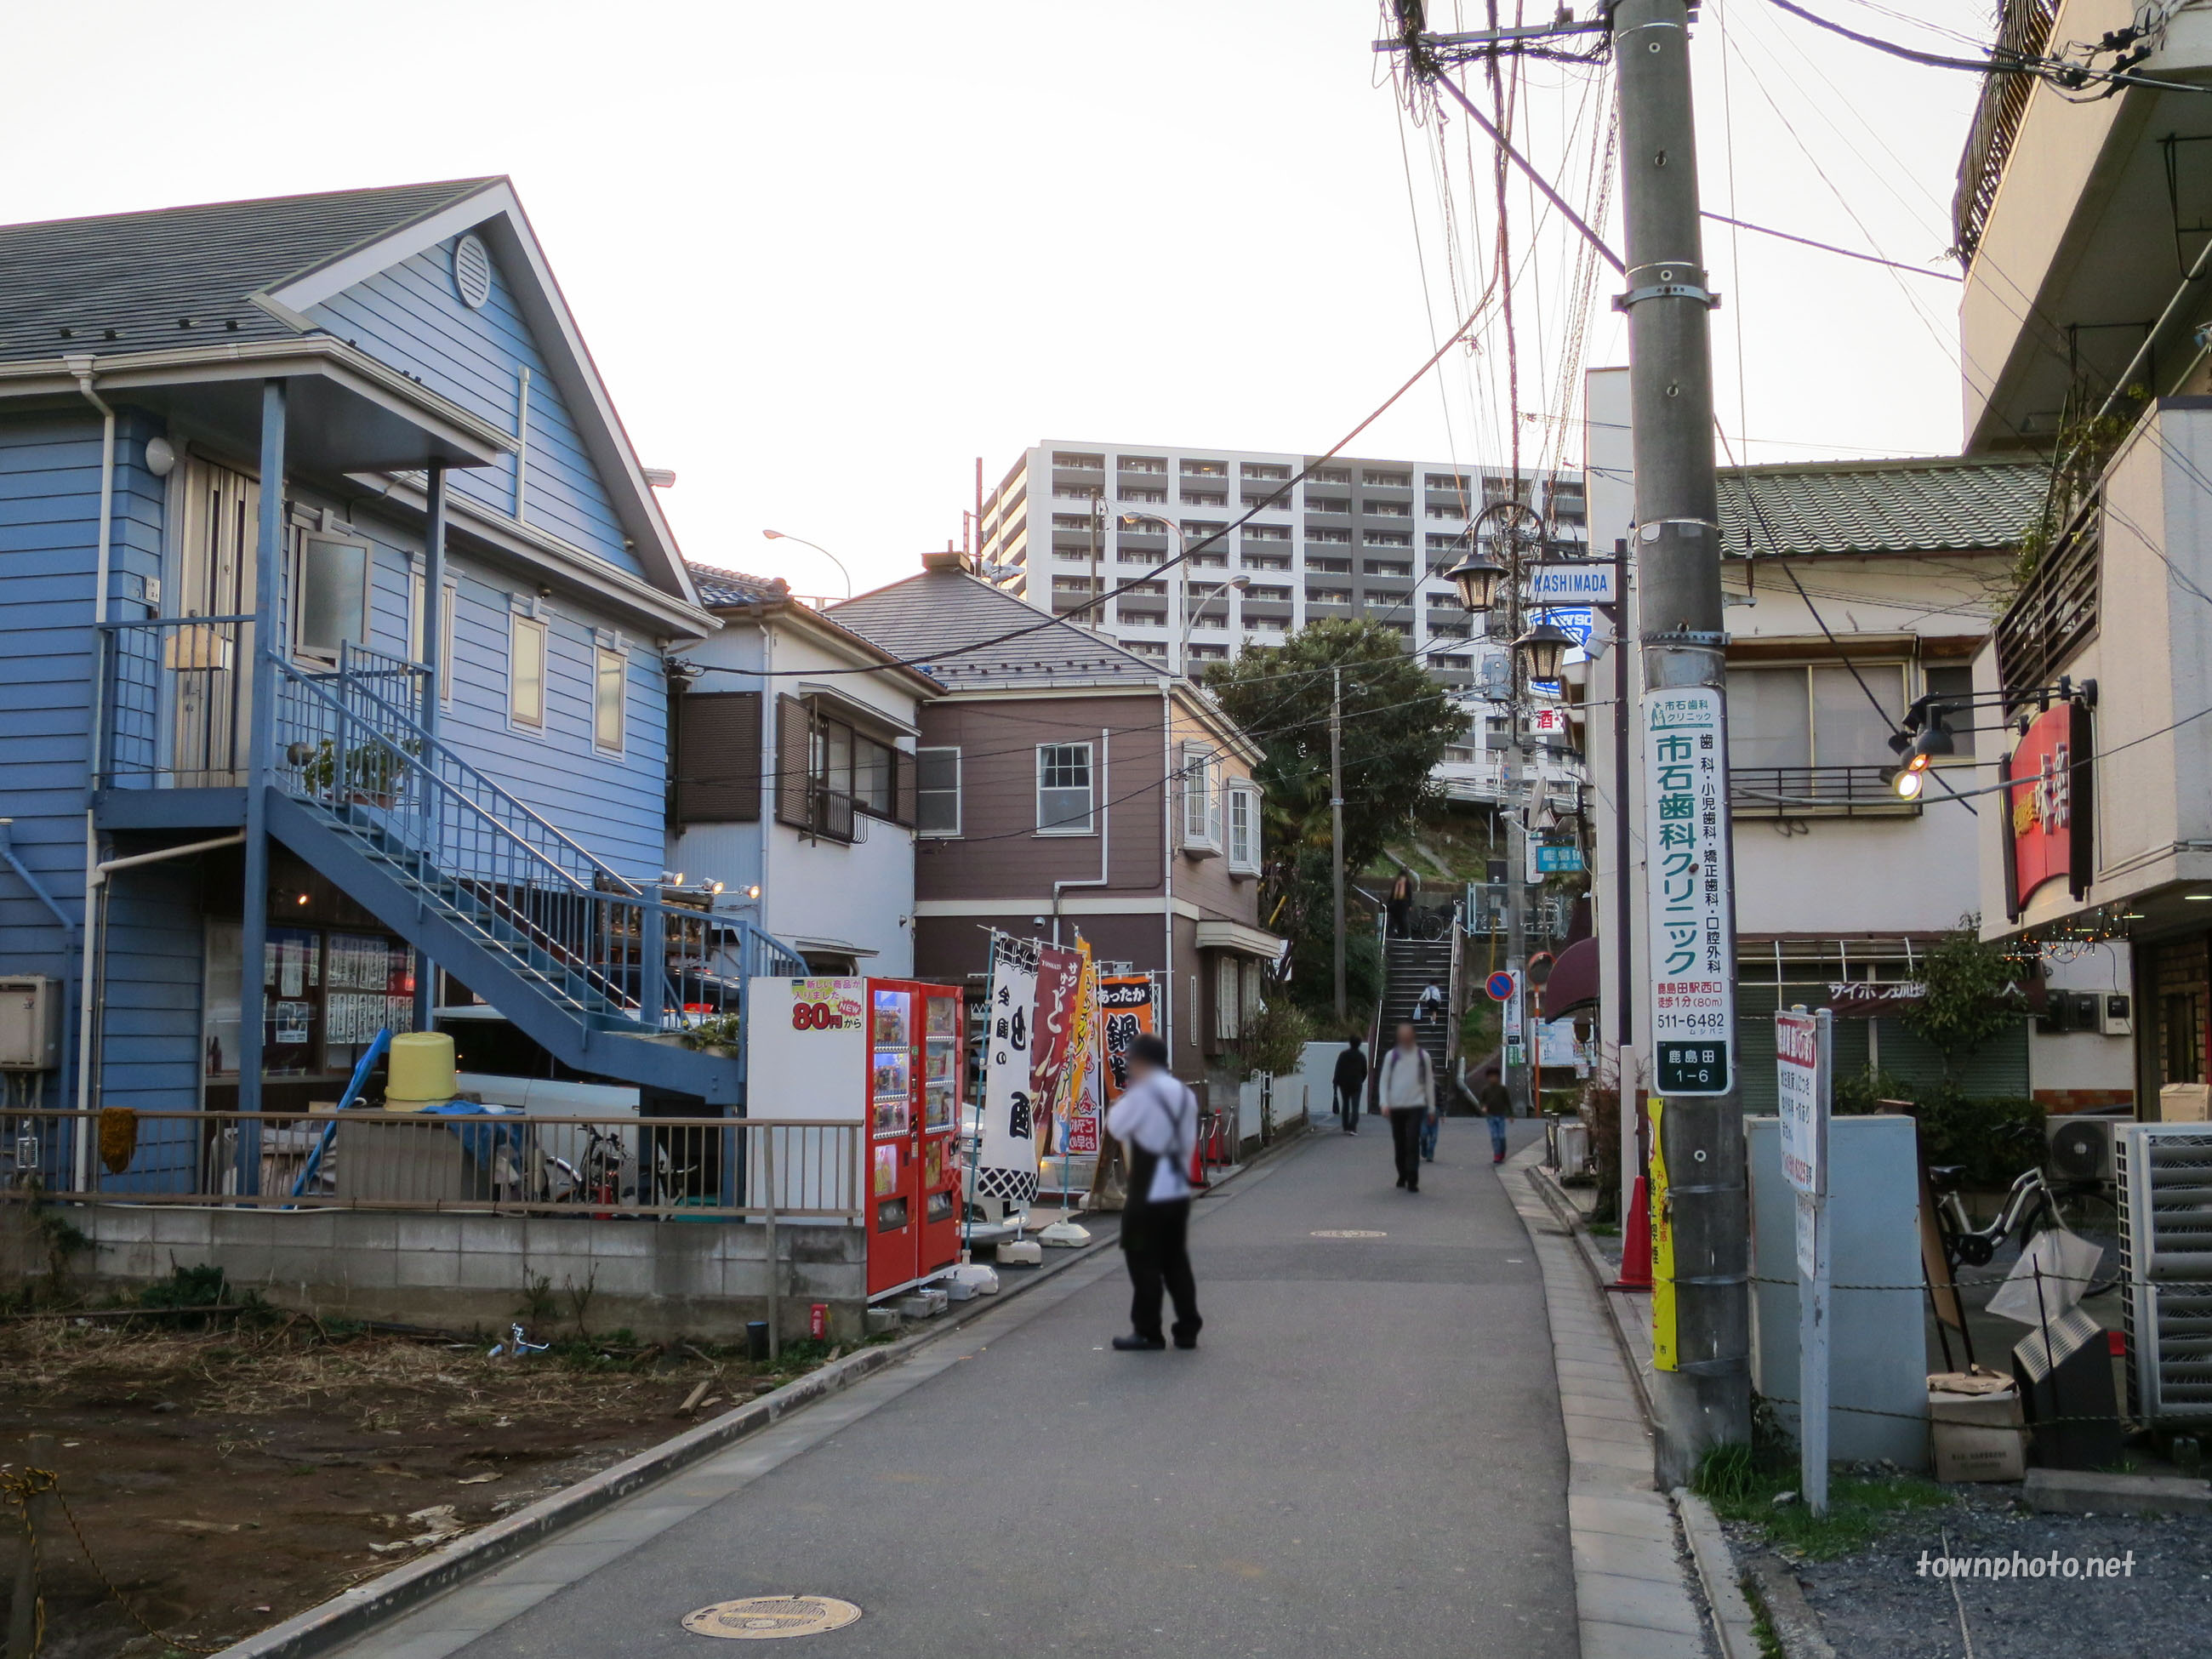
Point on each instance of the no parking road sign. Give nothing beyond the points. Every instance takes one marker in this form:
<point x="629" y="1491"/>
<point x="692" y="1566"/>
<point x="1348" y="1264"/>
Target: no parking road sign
<point x="1500" y="986"/>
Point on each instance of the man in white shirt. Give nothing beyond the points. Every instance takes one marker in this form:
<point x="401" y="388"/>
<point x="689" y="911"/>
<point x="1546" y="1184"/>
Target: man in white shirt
<point x="1157" y="1119"/>
<point x="1405" y="1086"/>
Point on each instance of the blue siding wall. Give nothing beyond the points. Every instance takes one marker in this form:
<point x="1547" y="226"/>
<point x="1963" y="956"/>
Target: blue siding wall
<point x="150" y="1018"/>
<point x="49" y="538"/>
<point x="411" y="317"/>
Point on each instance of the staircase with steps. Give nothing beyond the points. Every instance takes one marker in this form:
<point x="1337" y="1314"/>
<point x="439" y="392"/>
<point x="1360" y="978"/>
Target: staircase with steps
<point x="1408" y="964"/>
<point x="567" y="950"/>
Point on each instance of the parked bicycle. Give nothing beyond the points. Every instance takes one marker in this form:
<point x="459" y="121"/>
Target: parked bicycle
<point x="2033" y="1203"/>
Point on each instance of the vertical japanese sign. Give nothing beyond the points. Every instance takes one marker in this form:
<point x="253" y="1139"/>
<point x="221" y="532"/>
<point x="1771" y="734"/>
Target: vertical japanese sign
<point x="1665" y="1349"/>
<point x="1079" y="1092"/>
<point x="1689" y="892"/>
<point x="1052" y="1025"/>
<point x="1125" y="1008"/>
<point x="1803" y="1075"/>
<point x="1006" y="1159"/>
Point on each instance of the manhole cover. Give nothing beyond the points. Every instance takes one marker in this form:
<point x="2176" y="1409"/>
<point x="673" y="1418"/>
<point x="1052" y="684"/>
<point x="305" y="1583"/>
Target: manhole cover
<point x="1347" y="1232"/>
<point x="765" y="1618"/>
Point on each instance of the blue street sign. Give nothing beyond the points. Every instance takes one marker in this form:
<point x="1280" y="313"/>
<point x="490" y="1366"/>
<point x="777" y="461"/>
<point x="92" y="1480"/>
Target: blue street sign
<point x="1555" y="861"/>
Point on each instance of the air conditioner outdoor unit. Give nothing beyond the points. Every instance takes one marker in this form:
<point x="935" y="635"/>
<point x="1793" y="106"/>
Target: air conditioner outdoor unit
<point x="2164" y="1175"/>
<point x="2079" y="1148"/>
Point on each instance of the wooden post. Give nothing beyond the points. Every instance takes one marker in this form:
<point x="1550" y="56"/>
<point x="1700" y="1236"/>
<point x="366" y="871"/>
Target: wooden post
<point x="23" y="1619"/>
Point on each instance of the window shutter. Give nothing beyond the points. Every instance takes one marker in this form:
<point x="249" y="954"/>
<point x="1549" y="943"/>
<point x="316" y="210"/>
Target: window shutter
<point x="902" y="788"/>
<point x="718" y="757"/>
<point x="794" y="762"/>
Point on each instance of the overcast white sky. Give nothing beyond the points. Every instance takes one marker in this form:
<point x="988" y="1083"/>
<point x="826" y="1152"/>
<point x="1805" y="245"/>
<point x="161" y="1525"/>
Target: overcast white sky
<point x="826" y="255"/>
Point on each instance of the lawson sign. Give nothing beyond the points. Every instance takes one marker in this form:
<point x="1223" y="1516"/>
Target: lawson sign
<point x="1571" y="583"/>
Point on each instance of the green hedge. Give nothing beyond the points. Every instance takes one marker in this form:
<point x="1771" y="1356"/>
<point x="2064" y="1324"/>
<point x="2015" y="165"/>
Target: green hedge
<point x="1993" y="1137"/>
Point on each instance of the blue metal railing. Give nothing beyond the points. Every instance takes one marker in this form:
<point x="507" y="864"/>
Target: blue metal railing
<point x="178" y="695"/>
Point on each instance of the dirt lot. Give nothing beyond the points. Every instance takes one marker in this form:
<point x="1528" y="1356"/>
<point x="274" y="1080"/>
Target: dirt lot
<point x="227" y="1478"/>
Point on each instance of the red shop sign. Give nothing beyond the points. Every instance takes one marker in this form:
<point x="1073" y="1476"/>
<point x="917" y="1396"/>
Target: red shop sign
<point x="2048" y="809"/>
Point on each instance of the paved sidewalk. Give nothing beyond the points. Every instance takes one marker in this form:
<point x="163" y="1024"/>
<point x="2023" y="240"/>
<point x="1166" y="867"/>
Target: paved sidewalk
<point x="1631" y="1582"/>
<point x="1365" y="1456"/>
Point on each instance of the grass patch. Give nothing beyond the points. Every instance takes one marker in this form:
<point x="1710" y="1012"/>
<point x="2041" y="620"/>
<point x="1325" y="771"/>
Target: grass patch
<point x="1603" y="1228"/>
<point x="1762" y="1622"/>
<point x="1860" y="1508"/>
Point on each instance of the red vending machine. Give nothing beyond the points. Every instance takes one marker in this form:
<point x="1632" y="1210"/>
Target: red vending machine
<point x="887" y="1052"/>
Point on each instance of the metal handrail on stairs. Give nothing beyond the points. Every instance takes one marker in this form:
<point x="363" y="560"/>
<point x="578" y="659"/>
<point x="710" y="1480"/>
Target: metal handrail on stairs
<point x="582" y="931"/>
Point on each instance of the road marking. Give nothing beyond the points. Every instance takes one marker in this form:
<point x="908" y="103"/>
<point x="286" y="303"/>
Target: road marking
<point x="1347" y="1232"/>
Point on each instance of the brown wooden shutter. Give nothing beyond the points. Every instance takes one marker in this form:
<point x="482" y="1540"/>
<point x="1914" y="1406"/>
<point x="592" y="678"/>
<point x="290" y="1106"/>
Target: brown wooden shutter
<point x="902" y="788"/>
<point x="794" y="762"/>
<point x="718" y="757"/>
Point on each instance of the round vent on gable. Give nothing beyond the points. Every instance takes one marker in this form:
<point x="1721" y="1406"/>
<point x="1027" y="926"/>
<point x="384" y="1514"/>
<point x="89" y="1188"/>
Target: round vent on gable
<point x="471" y="272"/>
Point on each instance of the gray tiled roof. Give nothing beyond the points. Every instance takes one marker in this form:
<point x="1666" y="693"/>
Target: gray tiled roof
<point x="120" y="282"/>
<point x="935" y="617"/>
<point x="717" y="586"/>
<point x="1930" y="504"/>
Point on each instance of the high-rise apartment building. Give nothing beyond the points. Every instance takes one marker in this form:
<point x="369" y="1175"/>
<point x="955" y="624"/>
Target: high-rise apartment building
<point x="1355" y="538"/>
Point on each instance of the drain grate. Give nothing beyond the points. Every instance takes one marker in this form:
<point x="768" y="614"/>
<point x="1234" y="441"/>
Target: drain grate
<point x="766" y="1617"/>
<point x="1347" y="1232"/>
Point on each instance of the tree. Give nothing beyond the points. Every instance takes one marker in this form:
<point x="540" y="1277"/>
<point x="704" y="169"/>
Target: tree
<point x="1971" y="994"/>
<point x="1397" y="723"/>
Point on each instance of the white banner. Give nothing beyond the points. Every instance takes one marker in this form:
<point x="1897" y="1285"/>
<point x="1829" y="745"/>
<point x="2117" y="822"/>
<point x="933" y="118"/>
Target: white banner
<point x="1689" y="890"/>
<point x="1006" y="1162"/>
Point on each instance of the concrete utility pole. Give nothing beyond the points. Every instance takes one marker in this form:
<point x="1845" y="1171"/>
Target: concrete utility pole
<point x="1705" y="1400"/>
<point x="1519" y="1038"/>
<point x="1336" y="820"/>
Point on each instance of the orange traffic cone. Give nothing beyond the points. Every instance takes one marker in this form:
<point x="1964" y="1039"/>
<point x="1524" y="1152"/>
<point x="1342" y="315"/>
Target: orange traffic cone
<point x="1636" y="1244"/>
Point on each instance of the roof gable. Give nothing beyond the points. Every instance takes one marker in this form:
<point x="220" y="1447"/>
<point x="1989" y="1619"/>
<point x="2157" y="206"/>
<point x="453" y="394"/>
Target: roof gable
<point x="954" y="624"/>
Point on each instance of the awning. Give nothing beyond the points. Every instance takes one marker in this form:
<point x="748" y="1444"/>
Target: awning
<point x="1235" y="936"/>
<point x="1574" y="982"/>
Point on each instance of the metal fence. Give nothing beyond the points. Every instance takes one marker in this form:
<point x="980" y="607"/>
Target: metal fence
<point x="505" y="1163"/>
<point x="178" y="692"/>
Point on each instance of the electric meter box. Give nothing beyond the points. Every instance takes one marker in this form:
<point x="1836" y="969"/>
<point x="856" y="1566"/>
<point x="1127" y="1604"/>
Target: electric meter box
<point x="30" y="1023"/>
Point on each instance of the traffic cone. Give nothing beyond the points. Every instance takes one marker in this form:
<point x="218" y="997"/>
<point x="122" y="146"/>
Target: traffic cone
<point x="1636" y="1244"/>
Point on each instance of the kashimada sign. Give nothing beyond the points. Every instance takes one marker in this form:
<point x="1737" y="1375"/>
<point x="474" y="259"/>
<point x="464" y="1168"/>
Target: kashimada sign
<point x="1571" y="583"/>
<point x="1690" y="912"/>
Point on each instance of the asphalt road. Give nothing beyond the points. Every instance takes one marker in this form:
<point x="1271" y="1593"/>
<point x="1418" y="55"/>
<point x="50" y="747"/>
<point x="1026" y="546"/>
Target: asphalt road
<point x="1363" y="1457"/>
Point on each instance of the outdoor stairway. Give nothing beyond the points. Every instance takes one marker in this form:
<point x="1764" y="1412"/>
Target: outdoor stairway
<point x="1408" y="964"/>
<point x="565" y="948"/>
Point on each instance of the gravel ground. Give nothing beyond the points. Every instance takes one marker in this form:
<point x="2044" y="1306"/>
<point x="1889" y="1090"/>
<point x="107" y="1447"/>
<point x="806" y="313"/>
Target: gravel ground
<point x="1876" y="1605"/>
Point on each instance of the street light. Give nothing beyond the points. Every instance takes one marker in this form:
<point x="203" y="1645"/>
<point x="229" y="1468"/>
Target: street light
<point x="780" y="535"/>
<point x="1181" y="635"/>
<point x="1540" y="649"/>
<point x="1190" y="611"/>
<point x="1477" y="577"/>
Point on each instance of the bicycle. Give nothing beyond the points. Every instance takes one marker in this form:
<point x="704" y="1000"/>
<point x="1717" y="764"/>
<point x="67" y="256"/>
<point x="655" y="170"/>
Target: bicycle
<point x="2032" y="1204"/>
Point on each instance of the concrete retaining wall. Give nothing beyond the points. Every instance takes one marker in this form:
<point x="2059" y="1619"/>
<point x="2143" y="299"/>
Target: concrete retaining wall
<point x="661" y="1280"/>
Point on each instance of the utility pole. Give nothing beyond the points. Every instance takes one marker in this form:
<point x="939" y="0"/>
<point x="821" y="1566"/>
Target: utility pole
<point x="1336" y="821"/>
<point x="1517" y="1035"/>
<point x="1704" y="1399"/>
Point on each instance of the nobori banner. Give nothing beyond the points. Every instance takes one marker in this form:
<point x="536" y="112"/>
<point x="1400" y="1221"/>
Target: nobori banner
<point x="1571" y="583"/>
<point x="1690" y="893"/>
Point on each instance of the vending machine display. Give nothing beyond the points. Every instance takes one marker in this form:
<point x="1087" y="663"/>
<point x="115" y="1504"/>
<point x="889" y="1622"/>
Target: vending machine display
<point x="886" y="1055"/>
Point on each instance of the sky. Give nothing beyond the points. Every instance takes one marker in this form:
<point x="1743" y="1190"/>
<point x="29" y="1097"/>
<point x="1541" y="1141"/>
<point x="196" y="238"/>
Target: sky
<point x="826" y="257"/>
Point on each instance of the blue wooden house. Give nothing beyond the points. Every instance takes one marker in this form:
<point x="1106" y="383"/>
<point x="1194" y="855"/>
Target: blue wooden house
<point x="334" y="609"/>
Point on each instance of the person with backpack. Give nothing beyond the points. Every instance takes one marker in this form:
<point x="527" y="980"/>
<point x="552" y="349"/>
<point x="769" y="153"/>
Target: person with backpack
<point x="1350" y="1084"/>
<point x="1406" y="1084"/>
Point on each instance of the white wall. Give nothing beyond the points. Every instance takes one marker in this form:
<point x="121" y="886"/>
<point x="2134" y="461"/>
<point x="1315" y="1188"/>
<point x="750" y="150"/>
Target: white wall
<point x="815" y="895"/>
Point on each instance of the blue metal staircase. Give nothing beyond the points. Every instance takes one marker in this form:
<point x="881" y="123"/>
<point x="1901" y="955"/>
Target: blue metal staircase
<point x="574" y="955"/>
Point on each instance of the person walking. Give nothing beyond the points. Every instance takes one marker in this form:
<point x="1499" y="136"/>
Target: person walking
<point x="1350" y="1085"/>
<point x="1496" y="1106"/>
<point x="1431" y="1003"/>
<point x="1406" y="1084"/>
<point x="1157" y="1119"/>
<point x="1398" y="906"/>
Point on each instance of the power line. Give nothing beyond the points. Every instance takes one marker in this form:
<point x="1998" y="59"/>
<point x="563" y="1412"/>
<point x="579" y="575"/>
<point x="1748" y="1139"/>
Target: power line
<point x="1830" y="247"/>
<point x="2070" y="76"/>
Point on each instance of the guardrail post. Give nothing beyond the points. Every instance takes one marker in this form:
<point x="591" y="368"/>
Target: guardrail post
<point x="775" y="1272"/>
<point x="652" y="963"/>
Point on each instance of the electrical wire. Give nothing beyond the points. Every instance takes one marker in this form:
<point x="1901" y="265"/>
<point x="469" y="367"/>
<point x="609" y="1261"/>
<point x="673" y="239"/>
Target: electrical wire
<point x="2059" y="72"/>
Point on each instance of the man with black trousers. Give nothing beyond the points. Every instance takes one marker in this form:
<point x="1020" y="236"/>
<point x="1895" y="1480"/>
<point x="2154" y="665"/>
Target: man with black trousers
<point x="1157" y="1119"/>
<point x="1406" y="1084"/>
<point x="1350" y="1084"/>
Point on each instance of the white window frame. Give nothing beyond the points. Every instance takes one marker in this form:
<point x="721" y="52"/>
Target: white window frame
<point x="306" y="653"/>
<point x="1243" y="861"/>
<point x="1201" y="801"/>
<point x="1228" y="998"/>
<point x="1090" y="775"/>
<point x="517" y="621"/>
<point x="920" y="792"/>
<point x="611" y="649"/>
<point x="449" y="603"/>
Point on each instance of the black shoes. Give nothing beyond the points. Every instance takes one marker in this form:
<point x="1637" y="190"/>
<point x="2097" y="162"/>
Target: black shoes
<point x="1143" y="1344"/>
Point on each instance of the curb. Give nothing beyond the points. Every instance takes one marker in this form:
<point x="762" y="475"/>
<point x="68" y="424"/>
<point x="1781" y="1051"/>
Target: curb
<point x="1716" y="1570"/>
<point x="354" y="1613"/>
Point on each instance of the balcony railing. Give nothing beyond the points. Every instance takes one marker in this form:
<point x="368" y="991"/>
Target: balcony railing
<point x="2055" y="613"/>
<point x="177" y="694"/>
<point x="504" y="1162"/>
<point x="1792" y="791"/>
